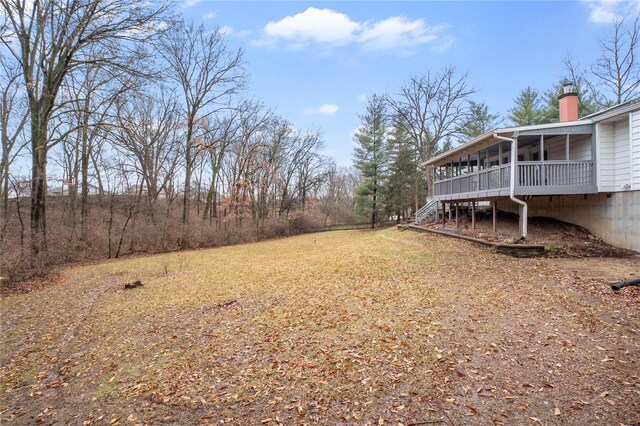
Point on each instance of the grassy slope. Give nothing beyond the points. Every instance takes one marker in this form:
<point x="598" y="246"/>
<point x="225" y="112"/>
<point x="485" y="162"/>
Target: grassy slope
<point x="334" y="327"/>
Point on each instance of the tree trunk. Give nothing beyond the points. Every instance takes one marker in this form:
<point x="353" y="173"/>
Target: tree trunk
<point x="210" y="203"/>
<point x="375" y="200"/>
<point x="38" y="188"/>
<point x="187" y="195"/>
<point x="84" y="173"/>
<point x="417" y="187"/>
<point x="5" y="191"/>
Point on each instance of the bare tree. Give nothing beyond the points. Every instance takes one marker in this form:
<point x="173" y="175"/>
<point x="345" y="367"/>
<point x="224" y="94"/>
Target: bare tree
<point x="13" y="119"/>
<point x="618" y="69"/>
<point x="432" y="108"/>
<point x="50" y="39"/>
<point x="243" y="159"/>
<point x="219" y="134"/>
<point x="337" y="194"/>
<point x="92" y="93"/>
<point x="301" y="159"/>
<point x="208" y="72"/>
<point x="148" y="131"/>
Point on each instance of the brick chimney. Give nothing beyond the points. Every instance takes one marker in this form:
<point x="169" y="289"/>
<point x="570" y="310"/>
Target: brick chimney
<point x="568" y="103"/>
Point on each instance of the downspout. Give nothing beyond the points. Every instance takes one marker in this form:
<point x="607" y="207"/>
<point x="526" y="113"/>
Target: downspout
<point x="512" y="185"/>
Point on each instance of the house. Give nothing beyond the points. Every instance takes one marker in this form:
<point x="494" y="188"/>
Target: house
<point x="584" y="171"/>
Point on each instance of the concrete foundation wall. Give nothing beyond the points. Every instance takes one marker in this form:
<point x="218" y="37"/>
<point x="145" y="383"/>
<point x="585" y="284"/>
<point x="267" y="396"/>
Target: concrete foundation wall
<point x="613" y="217"/>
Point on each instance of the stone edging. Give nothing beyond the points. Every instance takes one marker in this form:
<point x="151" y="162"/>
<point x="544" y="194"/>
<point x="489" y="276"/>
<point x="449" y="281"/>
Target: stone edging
<point x="517" y="250"/>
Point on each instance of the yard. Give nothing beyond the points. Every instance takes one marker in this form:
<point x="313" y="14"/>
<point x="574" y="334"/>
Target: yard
<point x="349" y="327"/>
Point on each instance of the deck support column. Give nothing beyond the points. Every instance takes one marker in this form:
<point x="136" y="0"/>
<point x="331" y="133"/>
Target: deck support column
<point x="457" y="222"/>
<point x="444" y="210"/>
<point x="473" y="215"/>
<point x="494" y="208"/>
<point x="543" y="179"/>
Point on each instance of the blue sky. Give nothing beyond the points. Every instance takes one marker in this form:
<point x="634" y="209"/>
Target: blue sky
<point x="315" y="62"/>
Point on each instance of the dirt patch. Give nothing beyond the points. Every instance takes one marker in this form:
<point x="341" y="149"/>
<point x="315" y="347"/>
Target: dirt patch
<point x="561" y="238"/>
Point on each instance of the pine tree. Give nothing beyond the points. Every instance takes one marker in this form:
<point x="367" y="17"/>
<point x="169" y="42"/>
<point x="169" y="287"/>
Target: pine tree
<point x="480" y="120"/>
<point x="405" y="179"/>
<point x="371" y="158"/>
<point x="527" y="110"/>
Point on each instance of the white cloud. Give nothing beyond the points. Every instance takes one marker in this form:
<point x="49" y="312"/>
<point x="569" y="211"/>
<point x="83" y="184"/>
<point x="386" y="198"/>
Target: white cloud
<point x="362" y="97"/>
<point x="329" y="28"/>
<point x="326" y="109"/>
<point x="607" y="11"/>
<point x="208" y="16"/>
<point x="313" y="25"/>
<point x="396" y="32"/>
<point x="226" y="30"/>
<point x="189" y="3"/>
<point x="354" y="133"/>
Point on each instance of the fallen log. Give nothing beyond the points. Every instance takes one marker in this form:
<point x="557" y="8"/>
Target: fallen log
<point x="129" y="286"/>
<point x="617" y="286"/>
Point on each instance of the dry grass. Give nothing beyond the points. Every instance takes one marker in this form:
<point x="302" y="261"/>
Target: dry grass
<point x="344" y="327"/>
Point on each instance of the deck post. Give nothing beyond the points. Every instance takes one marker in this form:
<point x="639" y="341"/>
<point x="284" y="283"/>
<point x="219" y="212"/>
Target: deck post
<point x="594" y="159"/>
<point x="494" y="208"/>
<point x="457" y="222"/>
<point x="473" y="215"/>
<point x="542" y="170"/>
<point x="444" y="210"/>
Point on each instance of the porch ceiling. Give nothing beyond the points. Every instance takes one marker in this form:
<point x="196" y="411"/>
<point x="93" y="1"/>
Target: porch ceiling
<point x="526" y="135"/>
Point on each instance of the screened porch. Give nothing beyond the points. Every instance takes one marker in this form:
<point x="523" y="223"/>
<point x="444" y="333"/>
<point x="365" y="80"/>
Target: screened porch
<point x="546" y="164"/>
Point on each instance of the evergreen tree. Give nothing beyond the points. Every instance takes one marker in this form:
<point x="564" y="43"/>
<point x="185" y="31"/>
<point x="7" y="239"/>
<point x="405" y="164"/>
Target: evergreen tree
<point x="527" y="110"/>
<point x="405" y="178"/>
<point x="371" y="158"/>
<point x="480" y="120"/>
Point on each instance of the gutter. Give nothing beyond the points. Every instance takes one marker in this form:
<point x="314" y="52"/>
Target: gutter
<point x="512" y="184"/>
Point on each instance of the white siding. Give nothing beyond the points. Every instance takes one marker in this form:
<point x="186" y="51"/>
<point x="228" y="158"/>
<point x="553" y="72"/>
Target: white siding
<point x="580" y="148"/>
<point x="606" y="168"/>
<point x="622" y="162"/>
<point x="635" y="149"/>
<point x="555" y="148"/>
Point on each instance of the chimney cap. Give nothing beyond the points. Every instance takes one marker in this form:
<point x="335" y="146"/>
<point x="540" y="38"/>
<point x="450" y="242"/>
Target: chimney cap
<point x="569" y="88"/>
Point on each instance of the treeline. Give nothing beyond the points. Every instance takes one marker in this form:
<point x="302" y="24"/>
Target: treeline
<point x="157" y="143"/>
<point x="435" y="111"/>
